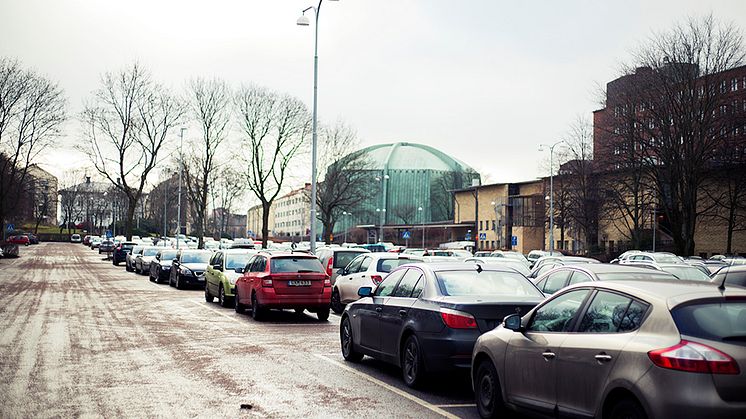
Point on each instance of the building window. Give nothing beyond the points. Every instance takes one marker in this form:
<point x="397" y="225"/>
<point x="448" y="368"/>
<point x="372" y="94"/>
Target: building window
<point x="493" y="226"/>
<point x="480" y="226"/>
<point x="734" y="84"/>
<point x="723" y="86"/>
<point x="723" y="109"/>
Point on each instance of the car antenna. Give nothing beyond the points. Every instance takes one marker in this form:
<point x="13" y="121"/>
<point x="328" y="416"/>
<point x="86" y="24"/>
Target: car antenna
<point x="721" y="287"/>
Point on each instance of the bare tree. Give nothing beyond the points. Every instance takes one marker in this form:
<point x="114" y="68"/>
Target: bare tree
<point x="275" y="128"/>
<point x="228" y="186"/>
<point x="407" y="213"/>
<point x="32" y="108"/>
<point x="209" y="106"/>
<point x="347" y="179"/>
<point x="727" y="189"/>
<point x="127" y="125"/>
<point x="71" y="192"/>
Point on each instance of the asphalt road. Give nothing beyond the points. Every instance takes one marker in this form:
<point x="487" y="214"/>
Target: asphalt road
<point x="80" y="337"/>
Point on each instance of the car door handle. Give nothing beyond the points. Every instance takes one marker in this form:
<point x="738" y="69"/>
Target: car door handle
<point x="548" y="355"/>
<point x="602" y="357"/>
<point x="402" y="313"/>
<point x="379" y="309"/>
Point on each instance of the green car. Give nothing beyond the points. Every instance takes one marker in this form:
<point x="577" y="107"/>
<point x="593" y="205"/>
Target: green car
<point x="222" y="272"/>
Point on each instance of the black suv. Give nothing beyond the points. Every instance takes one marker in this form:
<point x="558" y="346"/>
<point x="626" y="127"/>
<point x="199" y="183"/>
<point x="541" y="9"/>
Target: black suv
<point x="121" y="251"/>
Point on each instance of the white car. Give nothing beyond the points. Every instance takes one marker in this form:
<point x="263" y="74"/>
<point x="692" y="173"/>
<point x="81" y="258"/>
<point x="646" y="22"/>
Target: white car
<point x="508" y="262"/>
<point x="366" y="270"/>
<point x="75" y="238"/>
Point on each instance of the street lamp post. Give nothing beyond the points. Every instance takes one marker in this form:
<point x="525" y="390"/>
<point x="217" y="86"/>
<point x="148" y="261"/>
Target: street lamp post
<point x="303" y="21"/>
<point x="181" y="166"/>
<point x="345" y="224"/>
<point x="551" y="190"/>
<point x="382" y="210"/>
<point x="422" y="213"/>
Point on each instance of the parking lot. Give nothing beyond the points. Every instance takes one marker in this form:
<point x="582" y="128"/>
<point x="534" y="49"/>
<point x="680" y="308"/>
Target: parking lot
<point x="81" y="337"/>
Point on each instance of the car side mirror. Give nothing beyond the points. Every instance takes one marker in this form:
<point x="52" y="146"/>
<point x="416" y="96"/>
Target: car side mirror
<point x="217" y="267"/>
<point x="341" y="271"/>
<point x="239" y="270"/>
<point x="365" y="291"/>
<point x="513" y="322"/>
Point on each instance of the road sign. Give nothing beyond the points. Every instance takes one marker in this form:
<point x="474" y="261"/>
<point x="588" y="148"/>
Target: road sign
<point x="514" y="240"/>
<point x="11" y="227"/>
<point x="482" y="236"/>
<point x="467" y="237"/>
<point x="406" y="235"/>
<point x="108" y="234"/>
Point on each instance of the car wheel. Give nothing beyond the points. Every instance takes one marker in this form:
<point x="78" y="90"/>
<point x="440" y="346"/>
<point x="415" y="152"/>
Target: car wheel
<point x="348" y="346"/>
<point x="240" y="308"/>
<point x="170" y="281"/>
<point x="222" y="299"/>
<point x="323" y="313"/>
<point x="413" y="369"/>
<point x="487" y="391"/>
<point x="150" y="277"/>
<point x="627" y="409"/>
<point x="208" y="296"/>
<point x="337" y="305"/>
<point x="178" y="283"/>
<point x="299" y="311"/>
<point x="257" y="312"/>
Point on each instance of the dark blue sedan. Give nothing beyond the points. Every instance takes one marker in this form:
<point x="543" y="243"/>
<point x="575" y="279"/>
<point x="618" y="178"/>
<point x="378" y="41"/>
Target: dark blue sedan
<point x="425" y="318"/>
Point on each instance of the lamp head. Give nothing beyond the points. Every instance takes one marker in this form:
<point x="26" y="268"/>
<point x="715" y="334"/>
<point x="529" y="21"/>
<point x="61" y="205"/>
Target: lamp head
<point x="302" y="20"/>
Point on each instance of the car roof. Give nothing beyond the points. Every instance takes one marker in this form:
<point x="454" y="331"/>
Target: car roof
<point x="459" y="266"/>
<point x="282" y="253"/>
<point x="598" y="268"/>
<point x="732" y="268"/>
<point x="239" y="251"/>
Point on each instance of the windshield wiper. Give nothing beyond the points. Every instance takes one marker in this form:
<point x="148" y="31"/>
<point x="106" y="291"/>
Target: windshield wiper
<point x="741" y="338"/>
<point x="306" y="271"/>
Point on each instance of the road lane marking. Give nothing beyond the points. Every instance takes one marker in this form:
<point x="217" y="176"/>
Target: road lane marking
<point x="199" y="304"/>
<point x="454" y="406"/>
<point x="391" y="388"/>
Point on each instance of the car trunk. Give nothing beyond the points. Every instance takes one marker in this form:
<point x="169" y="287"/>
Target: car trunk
<point x="310" y="283"/>
<point x="489" y="311"/>
<point x="732" y="387"/>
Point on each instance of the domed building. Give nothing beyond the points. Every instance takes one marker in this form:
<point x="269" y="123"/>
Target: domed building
<point x="409" y="176"/>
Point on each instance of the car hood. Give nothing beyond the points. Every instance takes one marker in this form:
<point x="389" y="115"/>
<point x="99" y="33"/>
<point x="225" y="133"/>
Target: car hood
<point x="146" y="259"/>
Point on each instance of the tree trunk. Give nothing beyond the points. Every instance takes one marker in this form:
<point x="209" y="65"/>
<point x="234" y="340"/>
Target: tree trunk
<point x="328" y="229"/>
<point x="129" y="219"/>
<point x="265" y="223"/>
<point x="731" y="227"/>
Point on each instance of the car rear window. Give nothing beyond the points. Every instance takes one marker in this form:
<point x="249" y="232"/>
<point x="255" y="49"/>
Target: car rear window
<point x="471" y="282"/>
<point x="644" y="276"/>
<point x="342" y="259"/>
<point x="722" y="321"/>
<point x="295" y="265"/>
<point x="388" y="265"/>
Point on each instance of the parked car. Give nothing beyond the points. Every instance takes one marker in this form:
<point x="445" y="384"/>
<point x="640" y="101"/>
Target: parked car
<point x="96" y="242"/>
<point x="414" y="251"/>
<point x="19" y="239"/>
<point x="731" y="276"/>
<point x="32" y="238"/>
<point x="225" y="267"/>
<point x="188" y="268"/>
<point x="653" y="257"/>
<point x="141" y="264"/>
<point x="129" y="262"/>
<point x="10" y="250"/>
<point x="451" y="253"/>
<point x="624" y="256"/>
<point x="106" y="246"/>
<point x="507" y="262"/>
<point x="75" y="238"/>
<point x="160" y="265"/>
<point x="535" y="255"/>
<point x="87" y="240"/>
<point x="626" y="349"/>
<point x="371" y="247"/>
<point x="425" y="318"/>
<point x="121" y="251"/>
<point x="284" y="280"/>
<point x="563" y="276"/>
<point x="547" y="263"/>
<point x="367" y="270"/>
<point x="680" y="270"/>
<point x="335" y="258"/>
<point x="512" y="255"/>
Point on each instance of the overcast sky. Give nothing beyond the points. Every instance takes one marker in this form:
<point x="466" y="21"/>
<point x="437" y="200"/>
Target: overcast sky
<point x="484" y="81"/>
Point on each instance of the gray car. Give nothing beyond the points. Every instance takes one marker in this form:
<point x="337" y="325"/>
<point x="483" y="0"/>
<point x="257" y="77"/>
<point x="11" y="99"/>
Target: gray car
<point x="335" y="258"/>
<point x="619" y="349"/>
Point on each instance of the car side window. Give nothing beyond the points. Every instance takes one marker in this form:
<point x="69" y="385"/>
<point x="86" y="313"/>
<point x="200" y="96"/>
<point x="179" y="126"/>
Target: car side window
<point x="407" y="283"/>
<point x="557" y="314"/>
<point x="386" y="288"/>
<point x="250" y="264"/>
<point x="578" y="277"/>
<point x="540" y="284"/>
<point x="608" y="313"/>
<point x="418" y="287"/>
<point x="354" y="266"/>
<point x="556" y="281"/>
<point x="365" y="263"/>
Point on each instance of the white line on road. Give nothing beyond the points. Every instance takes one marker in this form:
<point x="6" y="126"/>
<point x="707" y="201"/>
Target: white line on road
<point x="452" y="406"/>
<point x="391" y="388"/>
<point x="218" y="312"/>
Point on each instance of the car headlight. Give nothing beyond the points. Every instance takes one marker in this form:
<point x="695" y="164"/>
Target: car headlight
<point x="232" y="281"/>
<point x="165" y="268"/>
<point x="185" y="271"/>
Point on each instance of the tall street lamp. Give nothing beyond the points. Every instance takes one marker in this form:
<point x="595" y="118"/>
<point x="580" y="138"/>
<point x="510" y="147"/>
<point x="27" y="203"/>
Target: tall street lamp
<point x="181" y="167"/>
<point x="422" y="214"/>
<point x="303" y="21"/>
<point x="551" y="190"/>
<point x="345" y="224"/>
<point x="382" y="210"/>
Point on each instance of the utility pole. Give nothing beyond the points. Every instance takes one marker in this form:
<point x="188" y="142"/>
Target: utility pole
<point x="181" y="164"/>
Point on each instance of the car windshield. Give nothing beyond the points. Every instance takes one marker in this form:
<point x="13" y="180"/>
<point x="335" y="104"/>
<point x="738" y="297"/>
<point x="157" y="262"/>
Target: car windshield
<point x="687" y="272"/>
<point x="233" y="261"/>
<point x="471" y="282"/>
<point x="342" y="259"/>
<point x="168" y="255"/>
<point x="295" y="265"/>
<point x="387" y="265"/>
<point x="613" y="276"/>
<point x="196" y="257"/>
<point x="149" y="252"/>
<point x="725" y="321"/>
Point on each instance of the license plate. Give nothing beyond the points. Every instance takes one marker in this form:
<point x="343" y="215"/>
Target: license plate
<point x="299" y="283"/>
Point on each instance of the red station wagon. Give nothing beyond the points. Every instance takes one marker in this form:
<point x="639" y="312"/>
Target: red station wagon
<point x="284" y="281"/>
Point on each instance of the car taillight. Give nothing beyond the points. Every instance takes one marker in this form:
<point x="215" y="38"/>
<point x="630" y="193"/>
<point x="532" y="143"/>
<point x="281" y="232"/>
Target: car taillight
<point x="327" y="282"/>
<point x="458" y="319"/>
<point x="267" y="282"/>
<point x="377" y="279"/>
<point x="694" y="357"/>
<point x="330" y="266"/>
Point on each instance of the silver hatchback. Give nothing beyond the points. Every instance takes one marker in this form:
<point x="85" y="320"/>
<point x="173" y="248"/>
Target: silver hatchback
<point x="631" y="349"/>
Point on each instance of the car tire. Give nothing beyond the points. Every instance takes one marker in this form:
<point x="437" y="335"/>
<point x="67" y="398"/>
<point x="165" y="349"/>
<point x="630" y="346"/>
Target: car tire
<point x="627" y="408"/>
<point x="178" y="283"/>
<point x="487" y="393"/>
<point x="348" y="345"/>
<point x="208" y="297"/>
<point x="150" y="277"/>
<point x="222" y="299"/>
<point x="240" y="308"/>
<point x="299" y="311"/>
<point x="337" y="305"/>
<point x="257" y="312"/>
<point x="170" y="281"/>
<point x="413" y="367"/>
<point x="323" y="313"/>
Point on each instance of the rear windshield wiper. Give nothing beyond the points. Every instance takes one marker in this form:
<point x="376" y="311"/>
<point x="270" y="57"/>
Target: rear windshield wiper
<point x="306" y="271"/>
<point x="741" y="338"/>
